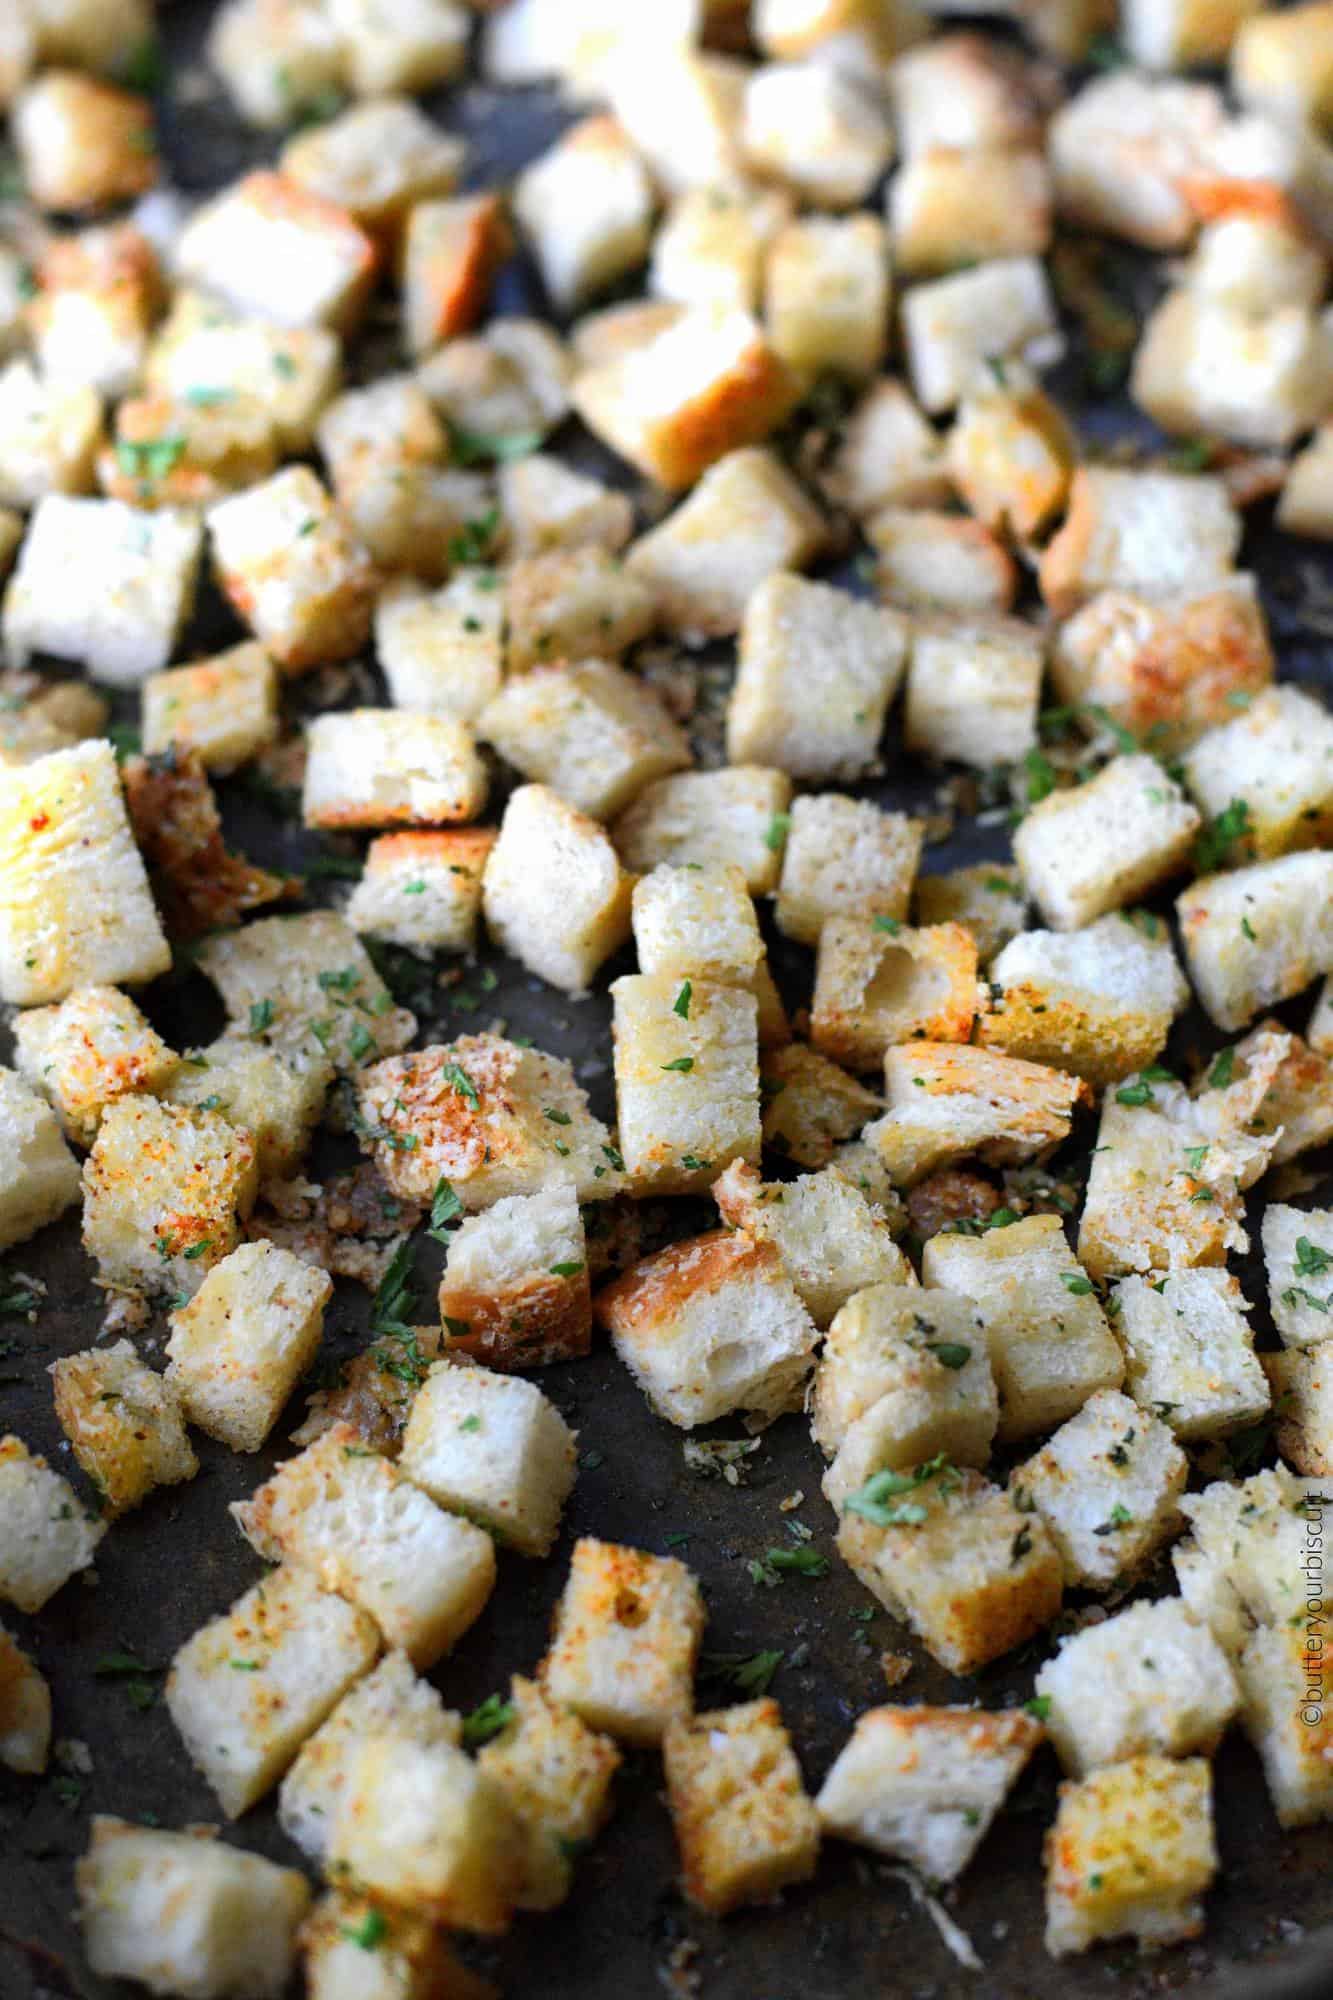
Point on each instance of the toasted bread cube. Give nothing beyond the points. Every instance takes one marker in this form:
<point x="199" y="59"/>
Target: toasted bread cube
<point x="950" y="207"/>
<point x="372" y="767"/>
<point x="492" y="1139"/>
<point x="375" y="161"/>
<point x="612" y="332"/>
<point x="833" y="1240"/>
<point x="504" y="383"/>
<point x="238" y="1349"/>
<point x="859" y="36"/>
<point x="1050" y="1345"/>
<point x="946" y="1101"/>
<point x="1148" y="1681"/>
<point x="94" y="1047"/>
<point x="1104" y="844"/>
<point x="225" y="708"/>
<point x="744" y="1825"/>
<point x="826" y="296"/>
<point x="746" y="519"/>
<point x="390" y="1700"/>
<point x="1175" y="34"/>
<point x="1001" y="311"/>
<point x="548" y="505"/>
<point x="1156" y="1198"/>
<point x="187" y="454"/>
<point x="587" y="207"/>
<point x="556" y="1774"/>
<point x="124" y="1422"/>
<point x="889" y="456"/>
<point x="623" y="1645"/>
<point x="1122" y="150"/>
<point x="697" y="921"/>
<point x="709" y="1326"/>
<point x="1319" y="1034"/>
<point x="878" y="983"/>
<point x="1130" y="1854"/>
<point x="516" y="1293"/>
<point x="687" y="1085"/>
<point x="407" y="45"/>
<point x="46" y="1535"/>
<point x="1260" y="380"/>
<point x="972" y="1575"/>
<point x="409" y="1959"/>
<point x="924" y="1784"/>
<point x="1098" y="1001"/>
<point x="164" y="1192"/>
<point x="442" y="652"/>
<point x="49" y="435"/>
<point x="1154" y="533"/>
<point x="182" y="1914"/>
<point x="817" y="671"/>
<point x="1011" y="453"/>
<point x="966" y="91"/>
<point x="251" y="1685"/>
<point x="988" y="900"/>
<point x="1276" y="757"/>
<point x="1106" y="1486"/>
<point x="711" y="248"/>
<point x="81" y="143"/>
<point x="1257" y="263"/>
<point x="972" y="688"/>
<point x="1296" y="1106"/>
<point x="422" y="890"/>
<point x="386" y="449"/>
<point x="1301" y="1382"/>
<point x="810" y="1105"/>
<point x="308" y="984"/>
<point x="25" y="1711"/>
<point x="285" y="558"/>
<point x="277" y="59"/>
<point x="573" y="604"/>
<point x="1280" y="63"/>
<point x="39" y="1176"/>
<point x="710" y="818"/>
<point x="1244" y="1564"/>
<point x="290" y="372"/>
<point x="1189" y="1353"/>
<point x="367" y="1533"/>
<point x="451" y="252"/>
<point x="810" y="127"/>
<point x="707" y="385"/>
<point x="1256" y="935"/>
<point x="590" y="731"/>
<point x="493" y="1448"/>
<point x="1169" y="668"/>
<point x="267" y="245"/>
<point x="845" y="857"/>
<point x="940" y="562"/>
<point x="1281" y="1679"/>
<point x="680" y="109"/>
<point x="1298" y="1255"/>
<point x="1306" y="505"/>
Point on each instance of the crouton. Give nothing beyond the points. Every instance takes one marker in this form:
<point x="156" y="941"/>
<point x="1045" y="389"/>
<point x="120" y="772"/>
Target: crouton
<point x="946" y="1101"/>
<point x="267" y="245"/>
<point x="889" y="456"/>
<point x="240" y="1346"/>
<point x="1256" y="935"/>
<point x="224" y="708"/>
<point x="744" y="1826"/>
<point x="938" y="561"/>
<point x="573" y="604"/>
<point x="1306" y="503"/>
<point x="857" y="35"/>
<point x="587" y="207"/>
<point x="1189" y="1352"/>
<point x="502" y="386"/>
<point x="1148" y="1681"/>
<point x="1130" y="1854"/>
<point x="878" y="983"/>
<point x="47" y="1536"/>
<point x="1107" y="1486"/>
<point x="1122" y="149"/>
<point x="82" y="143"/>
<point x="712" y="246"/>
<point x="39" y="1177"/>
<point x="1242" y="1566"/>
<point x="124" y="1422"/>
<point x="451" y="253"/>
<point x="1011" y="452"/>
<point x="697" y="921"/>
<point x="590" y="731"/>
<point x="687" y="1083"/>
<point x="826" y="296"/>
<point x="422" y="890"/>
<point x="442" y="652"/>
<point x="25" y="1712"/>
<point x="955" y="1559"/>
<point x="1176" y="34"/>
<point x="832" y="1239"/>
<point x="386" y="448"/>
<point x="923" y="1785"/>
<point x="364" y="1531"/>
<point x="1256" y="263"/>
<point x="94" y="1047"/>
<point x="736" y="816"/>
<point x="810" y="1105"/>
<point x="406" y="45"/>
<point x="291" y="372"/>
<point x="356" y="1948"/>
<point x="1280" y="63"/>
<point x="1281" y="1673"/>
<point x="1001" y="311"/>
<point x="624" y="1641"/>
<point x="49" y="435"/>
<point x="811" y="128"/>
<point x="376" y="161"/>
<point x="198" y="883"/>
<point x="965" y="91"/>
<point x="277" y="59"/>
<point x="1104" y="844"/>
<point x="949" y="208"/>
<point x="164" y="1194"/>
<point x="845" y="856"/>
<point x="373" y="767"/>
<point x="556" y="1774"/>
<point x="1294" y="1108"/>
<point x="307" y="984"/>
<point x="972" y="687"/>
<point x="1157" y="534"/>
<point x="276" y="1092"/>
<point x="548" y="505"/>
<point x="285" y="559"/>
<point x="1276" y="758"/>
<point x="191" y="454"/>
<point x="493" y="1449"/>
<point x="1298" y="1256"/>
<point x="988" y="900"/>
<point x="1258" y="380"/>
<point x="1302" y="1389"/>
<point x="516" y="1294"/>
<point x="1159" y="1194"/>
<point x="182" y="1914"/>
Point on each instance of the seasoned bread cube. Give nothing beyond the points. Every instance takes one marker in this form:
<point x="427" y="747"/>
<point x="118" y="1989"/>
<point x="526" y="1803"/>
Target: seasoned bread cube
<point x="1301" y="1383"/>
<point x="505" y="383"/>
<point x="573" y="604"/>
<point x="1011" y="453"/>
<point x="1281" y="63"/>
<point x="367" y="1533"/>
<point x="988" y="900"/>
<point x="736" y="816"/>
<point x="546" y="504"/>
<point x="516" y="1293"/>
<point x="624" y="1641"/>
<point x="946" y="1100"/>
<point x="442" y="651"/>
<point x="710" y="250"/>
<point x="592" y="732"/>
<point x="285" y="559"/>
<point x="744" y="1826"/>
<point x="1001" y="311"/>
<point x="225" y="708"/>
<point x="25" y="1712"/>
<point x="290" y="372"/>
<point x="1130" y="1854"/>
<point x="125" y="1424"/>
<point x="451" y="253"/>
<point x="680" y="109"/>
<point x="371" y="767"/>
<point x="746" y="519"/>
<point x="1295" y="1110"/>
<point x="811" y="128"/>
<point x="1260" y="380"/>
<point x="889" y="456"/>
<point x="1050" y="1345"/>
<point x="355" y="1948"/>
<point x="1155" y="534"/>
<point x="1123" y="150"/>
<point x="556" y="1774"/>
<point x="375" y="161"/>
<point x="1287" y="1724"/>
<point x="810" y="1105"/>
<point x="941" y="562"/>
<point x="965" y="90"/>
<point x="1148" y="1681"/>
<point x="1243" y="1566"/>
<point x="973" y="688"/>
<point x="407" y="45"/>
<point x="164" y="1193"/>
<point x="950" y="207"/>
<point x="1107" y="1487"/>
<point x="1102" y="845"/>
<point x="46" y="1536"/>
<point x="845" y="857"/>
<point x="878" y="983"/>
<point x="859" y="36"/>
<point x="1176" y="34"/>
<point x="82" y="143"/>
<point x="275" y="1093"/>
<point x="697" y="919"/>
<point x="390" y="1700"/>
<point x="711" y="1325"/>
<point x="278" y="60"/>
<point x="1276" y="757"/>
<point x="83" y="1054"/>
<point x="586" y="205"/>
<point x="1257" y="263"/>
<point x="267" y="245"/>
<point x="185" y="454"/>
<point x="422" y="890"/>
<point x="181" y="1914"/>
<point x="1298" y="1256"/>
<point x="923" y="1785"/>
<point x="1306" y="503"/>
<point x="1159" y="1194"/>
<point x="238" y="1349"/>
<point x="307" y="984"/>
<point x="827" y="292"/>
<point x="39" y="1176"/>
<point x="1256" y="935"/>
<point x="832" y="1239"/>
<point x="251" y="1685"/>
<point x="687" y="1085"/>
<point x="955" y="1560"/>
<point x="816" y="673"/>
<point x="1189" y="1352"/>
<point x="50" y="432"/>
<point x="494" y="1449"/>
<point x="493" y="1118"/>
<point x="1319" y="1033"/>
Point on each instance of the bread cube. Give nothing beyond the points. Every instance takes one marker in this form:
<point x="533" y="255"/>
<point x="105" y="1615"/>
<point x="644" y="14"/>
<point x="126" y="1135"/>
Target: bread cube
<point x="494" y="1449"/>
<point x="238" y="1349"/>
<point x="845" y="857"/>
<point x="1295" y="1108"/>
<point x="39" y="1176"/>
<point x="1098" y="1001"/>
<point x="285" y="559"/>
<point x="509" y="381"/>
<point x="556" y="1774"/>
<point x="889" y="456"/>
<point x="1298" y="1255"/>
<point x="746" y="519"/>
<point x="515" y="1294"/>
<point x="46" y="1535"/>
<point x="1257" y="935"/>
<point x="939" y="561"/>
<point x="451" y="252"/>
<point x="308" y="985"/>
<point x="573" y="604"/>
<point x="49" y="435"/>
<point x="276" y="1092"/>
<point x="1257" y="379"/>
<point x="587" y="207"/>
<point x="1158" y="534"/>
<point x="390" y="1700"/>
<point x="1280" y="63"/>
<point x="1001" y="311"/>
<point x="367" y="1533"/>
<point x="25" y="1712"/>
<point x="124" y="1422"/>
<point x="687" y="1085"/>
<point x="291" y="372"/>
<point x="967" y="91"/>
<point x="1102" y="845"/>
<point x="1175" y="34"/>
<point x="186" y="454"/>
<point x="972" y="689"/>
<point x="1130" y="1854"/>
<point x="1106" y="1486"/>
<point x="623" y="1644"/>
<point x="442" y="652"/>
<point x="878" y="983"/>
<point x="987" y="900"/>
<point x="826" y="296"/>
<point x="181" y="1914"/>
<point x="375" y="161"/>
<point x="371" y="767"/>
<point x="711" y="248"/>
<point x="164" y="1193"/>
<point x="548" y="505"/>
<point x="493" y="1118"/>
<point x="1167" y="668"/>
<point x="711" y="1325"/>
<point x="1276" y="757"/>
<point x="82" y="143"/>
<point x="736" y="816"/>
<point x="1242" y="1566"/>
<point x="278" y="60"/>
<point x="92" y="1048"/>
<point x="1306" y="503"/>
<point x="422" y="890"/>
<point x="354" y="1948"/>
<point x="408" y="45"/>
<point x="859" y="36"/>
<point x="833" y="1240"/>
<point x="956" y="1561"/>
<point x="946" y="1100"/>
<point x="267" y="245"/>
<point x="697" y="921"/>
<point x="951" y="207"/>
<point x="809" y="127"/>
<point x="1156" y="1198"/>
<point x="1189" y="1353"/>
<point x="1011" y="453"/>
<point x="225" y="708"/>
<point x="924" y="1785"/>
<point x="744" y="1826"/>
<point x="250" y="1686"/>
<point x="1123" y="150"/>
<point x="590" y="731"/>
<point x="810" y="1105"/>
<point x="1302" y="1389"/>
<point x="1281" y="1675"/>
<point x="680" y="109"/>
<point x="1257" y="263"/>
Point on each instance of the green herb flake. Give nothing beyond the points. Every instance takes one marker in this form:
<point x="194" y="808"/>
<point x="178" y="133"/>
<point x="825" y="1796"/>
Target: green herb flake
<point x="775" y="833"/>
<point x="369" y="1933"/>
<point x="682" y="1063"/>
<point x="486" y="1720"/>
<point x="681" y="1004"/>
